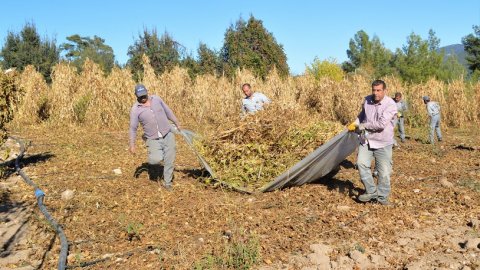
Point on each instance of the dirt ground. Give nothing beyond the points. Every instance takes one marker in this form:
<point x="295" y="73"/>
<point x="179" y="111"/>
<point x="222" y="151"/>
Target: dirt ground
<point x="116" y="220"/>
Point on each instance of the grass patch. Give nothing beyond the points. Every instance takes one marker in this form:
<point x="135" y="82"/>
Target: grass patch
<point x="470" y="183"/>
<point x="240" y="254"/>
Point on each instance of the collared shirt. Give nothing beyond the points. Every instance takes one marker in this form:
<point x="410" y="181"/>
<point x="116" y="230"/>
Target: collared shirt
<point x="378" y="120"/>
<point x="153" y="118"/>
<point x="433" y="108"/>
<point x="254" y="103"/>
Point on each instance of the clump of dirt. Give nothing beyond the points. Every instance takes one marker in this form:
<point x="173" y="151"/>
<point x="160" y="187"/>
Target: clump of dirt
<point x="252" y="151"/>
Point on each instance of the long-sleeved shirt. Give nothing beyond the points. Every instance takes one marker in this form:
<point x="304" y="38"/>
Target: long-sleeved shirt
<point x="254" y="103"/>
<point x="153" y="118"/>
<point x="378" y="120"/>
<point x="402" y="106"/>
<point x="433" y="108"/>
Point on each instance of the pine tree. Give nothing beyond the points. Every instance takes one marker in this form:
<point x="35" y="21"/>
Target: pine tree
<point x="80" y="48"/>
<point x="472" y="48"/>
<point x="249" y="45"/>
<point x="27" y="48"/>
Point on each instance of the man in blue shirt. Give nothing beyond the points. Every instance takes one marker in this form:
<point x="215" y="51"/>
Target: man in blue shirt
<point x="154" y="115"/>
<point x="253" y="101"/>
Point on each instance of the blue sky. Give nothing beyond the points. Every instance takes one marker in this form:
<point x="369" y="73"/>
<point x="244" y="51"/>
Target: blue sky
<point x="306" y="29"/>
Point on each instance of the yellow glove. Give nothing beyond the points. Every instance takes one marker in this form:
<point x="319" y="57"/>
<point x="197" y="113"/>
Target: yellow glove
<point x="399" y="114"/>
<point x="352" y="127"/>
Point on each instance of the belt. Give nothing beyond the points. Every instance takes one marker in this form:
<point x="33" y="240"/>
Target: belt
<point x="156" y="139"/>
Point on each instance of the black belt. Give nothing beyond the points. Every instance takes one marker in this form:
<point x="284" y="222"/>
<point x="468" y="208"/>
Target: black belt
<point x="156" y="139"/>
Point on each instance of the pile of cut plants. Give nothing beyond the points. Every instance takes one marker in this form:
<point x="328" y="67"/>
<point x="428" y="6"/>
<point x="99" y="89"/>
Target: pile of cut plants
<point x="249" y="152"/>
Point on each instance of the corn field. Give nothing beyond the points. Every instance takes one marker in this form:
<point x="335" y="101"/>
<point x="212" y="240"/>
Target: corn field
<point x="92" y="99"/>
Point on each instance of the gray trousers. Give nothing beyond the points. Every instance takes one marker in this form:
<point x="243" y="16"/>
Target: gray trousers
<point x="400" y="122"/>
<point x="383" y="165"/>
<point x="163" y="149"/>
<point x="435" y="127"/>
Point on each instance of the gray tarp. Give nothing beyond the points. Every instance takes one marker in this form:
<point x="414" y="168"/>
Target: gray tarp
<point x="313" y="167"/>
<point x="317" y="164"/>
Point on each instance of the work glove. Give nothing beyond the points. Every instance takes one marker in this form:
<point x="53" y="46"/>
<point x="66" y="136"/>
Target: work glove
<point x="352" y="127"/>
<point x="399" y="114"/>
<point x="361" y="127"/>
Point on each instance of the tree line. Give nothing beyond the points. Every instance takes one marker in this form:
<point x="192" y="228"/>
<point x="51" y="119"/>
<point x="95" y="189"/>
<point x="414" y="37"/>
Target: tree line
<point x="247" y="44"/>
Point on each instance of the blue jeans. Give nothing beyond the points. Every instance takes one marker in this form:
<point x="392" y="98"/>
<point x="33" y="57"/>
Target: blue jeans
<point x="435" y="126"/>
<point x="163" y="149"/>
<point x="400" y="122"/>
<point x="383" y="165"/>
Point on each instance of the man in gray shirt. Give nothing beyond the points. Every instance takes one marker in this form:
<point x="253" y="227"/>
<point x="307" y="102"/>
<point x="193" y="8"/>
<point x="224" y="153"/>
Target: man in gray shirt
<point x="153" y="114"/>
<point x="401" y="109"/>
<point x="433" y="110"/>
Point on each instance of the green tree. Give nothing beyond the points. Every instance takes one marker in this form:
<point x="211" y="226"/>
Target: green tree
<point x="419" y="59"/>
<point x="208" y="60"/>
<point x="325" y="69"/>
<point x="80" y="48"/>
<point x="164" y="52"/>
<point x="451" y="69"/>
<point x="472" y="48"/>
<point x="191" y="65"/>
<point x="368" y="56"/>
<point x="27" y="48"/>
<point x="249" y="45"/>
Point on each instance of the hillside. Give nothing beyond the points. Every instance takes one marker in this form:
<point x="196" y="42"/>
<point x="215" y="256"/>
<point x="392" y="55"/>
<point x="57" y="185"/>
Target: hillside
<point x="457" y="50"/>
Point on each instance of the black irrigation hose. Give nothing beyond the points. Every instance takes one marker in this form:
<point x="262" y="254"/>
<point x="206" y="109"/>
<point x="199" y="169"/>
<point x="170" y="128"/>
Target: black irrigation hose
<point x="39" y="194"/>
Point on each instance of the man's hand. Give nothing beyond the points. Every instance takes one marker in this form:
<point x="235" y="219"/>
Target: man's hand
<point x="352" y="127"/>
<point x="132" y="149"/>
<point x="361" y="127"/>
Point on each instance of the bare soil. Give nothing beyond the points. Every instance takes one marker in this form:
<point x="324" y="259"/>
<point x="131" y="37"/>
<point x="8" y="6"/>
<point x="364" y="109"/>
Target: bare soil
<point x="130" y="222"/>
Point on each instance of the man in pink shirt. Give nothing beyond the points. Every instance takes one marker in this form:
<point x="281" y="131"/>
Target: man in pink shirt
<point x="376" y="125"/>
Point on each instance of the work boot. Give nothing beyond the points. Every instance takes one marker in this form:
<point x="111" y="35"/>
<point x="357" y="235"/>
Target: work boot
<point x="384" y="201"/>
<point x="168" y="186"/>
<point x="366" y="197"/>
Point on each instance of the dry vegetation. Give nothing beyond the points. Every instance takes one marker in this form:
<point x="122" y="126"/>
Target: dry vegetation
<point x="93" y="99"/>
<point x="211" y="106"/>
<point x="250" y="152"/>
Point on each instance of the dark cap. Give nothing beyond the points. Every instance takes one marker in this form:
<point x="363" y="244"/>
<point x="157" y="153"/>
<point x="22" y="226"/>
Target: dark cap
<point x="426" y="98"/>
<point x="140" y="90"/>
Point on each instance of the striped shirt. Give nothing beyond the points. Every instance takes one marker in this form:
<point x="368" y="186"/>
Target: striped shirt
<point x="153" y="118"/>
<point x="378" y="120"/>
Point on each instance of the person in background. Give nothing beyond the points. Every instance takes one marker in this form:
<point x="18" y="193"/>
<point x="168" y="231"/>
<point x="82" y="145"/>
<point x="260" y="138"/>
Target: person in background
<point x="153" y="114"/>
<point x="433" y="110"/>
<point x="375" y="122"/>
<point x="253" y="101"/>
<point x="401" y="109"/>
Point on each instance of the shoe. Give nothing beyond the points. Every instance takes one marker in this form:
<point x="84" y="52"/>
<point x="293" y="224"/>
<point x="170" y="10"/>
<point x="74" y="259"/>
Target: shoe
<point x="366" y="197"/>
<point x="384" y="202"/>
<point x="168" y="187"/>
<point x="402" y="140"/>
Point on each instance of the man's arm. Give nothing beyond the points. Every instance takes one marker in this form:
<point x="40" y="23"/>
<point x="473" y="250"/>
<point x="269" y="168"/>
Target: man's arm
<point x="133" y="128"/>
<point x="170" y="114"/>
<point x="383" y="120"/>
